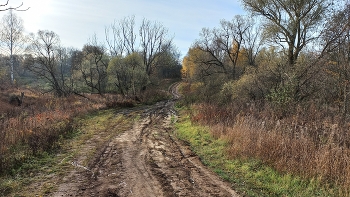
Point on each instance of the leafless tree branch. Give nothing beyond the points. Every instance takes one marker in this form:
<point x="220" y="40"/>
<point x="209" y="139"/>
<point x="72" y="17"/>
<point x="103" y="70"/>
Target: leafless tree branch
<point x="17" y="8"/>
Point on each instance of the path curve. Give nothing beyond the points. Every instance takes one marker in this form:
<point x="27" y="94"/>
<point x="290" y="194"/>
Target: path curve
<point x="147" y="161"/>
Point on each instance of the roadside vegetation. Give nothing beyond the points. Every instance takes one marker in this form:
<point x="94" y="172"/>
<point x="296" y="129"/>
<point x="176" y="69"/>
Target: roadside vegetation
<point x="224" y="150"/>
<point x="38" y="174"/>
<point x="272" y="88"/>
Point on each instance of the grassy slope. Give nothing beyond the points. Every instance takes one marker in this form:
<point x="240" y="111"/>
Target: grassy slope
<point x="249" y="177"/>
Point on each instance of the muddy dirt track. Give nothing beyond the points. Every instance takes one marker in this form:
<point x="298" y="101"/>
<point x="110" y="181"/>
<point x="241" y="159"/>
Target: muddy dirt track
<point x="145" y="161"/>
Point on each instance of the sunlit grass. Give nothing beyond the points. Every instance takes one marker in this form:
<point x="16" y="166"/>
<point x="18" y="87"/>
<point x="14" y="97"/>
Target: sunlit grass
<point x="248" y="176"/>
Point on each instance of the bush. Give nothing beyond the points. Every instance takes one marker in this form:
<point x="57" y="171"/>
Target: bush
<point x="46" y="139"/>
<point x="152" y="96"/>
<point x="115" y="103"/>
<point x="281" y="100"/>
<point x="242" y="91"/>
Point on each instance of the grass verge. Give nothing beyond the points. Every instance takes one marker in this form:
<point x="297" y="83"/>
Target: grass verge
<point x="249" y="177"/>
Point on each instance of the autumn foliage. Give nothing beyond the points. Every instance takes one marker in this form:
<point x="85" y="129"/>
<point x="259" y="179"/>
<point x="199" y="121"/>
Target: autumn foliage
<point x="281" y="103"/>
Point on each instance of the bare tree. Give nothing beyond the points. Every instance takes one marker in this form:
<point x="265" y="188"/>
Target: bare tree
<point x="123" y="38"/>
<point x="154" y="42"/>
<point x="224" y="45"/>
<point x="94" y="65"/>
<point x="45" y="47"/>
<point x="336" y="38"/>
<point x="252" y="41"/>
<point x="12" y="38"/>
<point x="290" y="22"/>
<point x="65" y="67"/>
<point x="3" y="7"/>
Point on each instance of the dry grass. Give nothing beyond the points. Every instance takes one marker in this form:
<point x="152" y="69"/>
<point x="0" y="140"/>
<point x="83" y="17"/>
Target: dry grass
<point x="38" y="124"/>
<point x="114" y="101"/>
<point x="43" y="120"/>
<point x="310" y="144"/>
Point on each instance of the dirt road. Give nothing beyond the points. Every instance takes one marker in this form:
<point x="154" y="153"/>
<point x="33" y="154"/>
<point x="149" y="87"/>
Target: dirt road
<point x="145" y="161"/>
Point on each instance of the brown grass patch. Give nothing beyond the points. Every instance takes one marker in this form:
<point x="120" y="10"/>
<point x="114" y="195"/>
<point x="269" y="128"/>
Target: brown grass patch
<point x="38" y="123"/>
<point x="309" y="146"/>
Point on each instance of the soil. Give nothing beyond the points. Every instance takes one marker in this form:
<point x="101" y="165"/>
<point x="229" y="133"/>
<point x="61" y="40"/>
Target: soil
<point x="146" y="160"/>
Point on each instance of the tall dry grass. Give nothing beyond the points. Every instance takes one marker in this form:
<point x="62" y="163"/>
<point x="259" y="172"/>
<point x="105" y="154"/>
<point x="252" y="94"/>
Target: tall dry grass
<point x="309" y="144"/>
<point x="38" y="124"/>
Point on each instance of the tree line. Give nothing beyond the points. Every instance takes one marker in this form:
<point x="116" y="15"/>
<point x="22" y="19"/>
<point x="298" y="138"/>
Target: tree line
<point x="127" y="61"/>
<point x="283" y="55"/>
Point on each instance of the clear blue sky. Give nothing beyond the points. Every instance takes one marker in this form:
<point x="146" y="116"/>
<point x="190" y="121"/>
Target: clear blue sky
<point x="77" y="20"/>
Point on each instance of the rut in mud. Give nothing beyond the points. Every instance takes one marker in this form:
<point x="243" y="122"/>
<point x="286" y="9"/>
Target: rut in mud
<point x="146" y="160"/>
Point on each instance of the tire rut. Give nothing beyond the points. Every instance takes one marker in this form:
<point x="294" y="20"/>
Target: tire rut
<point x="147" y="161"/>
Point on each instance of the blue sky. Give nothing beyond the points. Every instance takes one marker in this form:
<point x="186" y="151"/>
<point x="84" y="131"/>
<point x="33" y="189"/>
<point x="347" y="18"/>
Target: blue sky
<point x="76" y="21"/>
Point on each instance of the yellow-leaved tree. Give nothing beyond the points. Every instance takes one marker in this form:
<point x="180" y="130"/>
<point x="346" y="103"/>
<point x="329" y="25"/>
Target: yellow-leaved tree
<point x="191" y="64"/>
